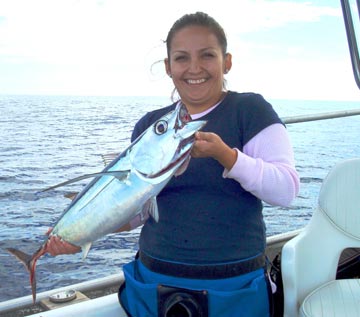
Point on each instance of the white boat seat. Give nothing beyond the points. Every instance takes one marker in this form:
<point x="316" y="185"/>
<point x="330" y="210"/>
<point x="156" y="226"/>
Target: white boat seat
<point x="309" y="261"/>
<point x="336" y="298"/>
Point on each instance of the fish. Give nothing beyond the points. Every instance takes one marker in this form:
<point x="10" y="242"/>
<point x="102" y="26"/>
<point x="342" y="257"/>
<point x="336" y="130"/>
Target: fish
<point x="125" y="188"/>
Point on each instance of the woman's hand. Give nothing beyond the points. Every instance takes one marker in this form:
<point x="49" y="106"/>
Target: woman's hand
<point x="208" y="144"/>
<point x="56" y="246"/>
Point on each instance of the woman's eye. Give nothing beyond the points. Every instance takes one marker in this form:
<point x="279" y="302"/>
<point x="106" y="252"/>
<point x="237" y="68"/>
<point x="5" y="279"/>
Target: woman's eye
<point x="208" y="55"/>
<point x="160" y="127"/>
<point x="180" y="58"/>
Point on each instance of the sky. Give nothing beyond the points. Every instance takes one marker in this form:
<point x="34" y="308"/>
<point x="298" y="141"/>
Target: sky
<point x="281" y="49"/>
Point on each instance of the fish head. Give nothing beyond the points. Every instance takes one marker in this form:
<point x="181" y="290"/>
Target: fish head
<point x="165" y="145"/>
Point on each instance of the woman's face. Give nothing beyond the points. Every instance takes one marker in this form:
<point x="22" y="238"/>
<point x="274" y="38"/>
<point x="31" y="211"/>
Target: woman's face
<point x="197" y="65"/>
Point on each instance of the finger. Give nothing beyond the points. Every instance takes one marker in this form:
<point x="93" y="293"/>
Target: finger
<point x="206" y="136"/>
<point x="49" y="231"/>
<point x="200" y="135"/>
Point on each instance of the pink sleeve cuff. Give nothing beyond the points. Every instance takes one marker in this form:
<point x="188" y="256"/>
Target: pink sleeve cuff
<point x="266" y="167"/>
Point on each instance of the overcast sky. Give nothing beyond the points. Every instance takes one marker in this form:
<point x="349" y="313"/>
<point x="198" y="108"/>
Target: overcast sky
<point x="282" y="49"/>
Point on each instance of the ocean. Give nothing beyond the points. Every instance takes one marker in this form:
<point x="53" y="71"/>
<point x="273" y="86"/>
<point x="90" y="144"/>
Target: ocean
<point x="45" y="140"/>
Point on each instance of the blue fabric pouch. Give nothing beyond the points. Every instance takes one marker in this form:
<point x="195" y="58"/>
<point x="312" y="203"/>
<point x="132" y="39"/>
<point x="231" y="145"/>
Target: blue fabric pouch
<point x="242" y="296"/>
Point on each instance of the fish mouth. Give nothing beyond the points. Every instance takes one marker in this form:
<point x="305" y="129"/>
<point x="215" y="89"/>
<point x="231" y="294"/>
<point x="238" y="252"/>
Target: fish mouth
<point x="187" y="134"/>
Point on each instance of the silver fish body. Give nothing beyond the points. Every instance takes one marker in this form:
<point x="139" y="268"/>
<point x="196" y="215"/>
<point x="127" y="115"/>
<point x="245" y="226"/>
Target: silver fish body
<point x="125" y="188"/>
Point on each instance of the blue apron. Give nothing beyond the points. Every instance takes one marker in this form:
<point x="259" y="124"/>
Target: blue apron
<point x="246" y="295"/>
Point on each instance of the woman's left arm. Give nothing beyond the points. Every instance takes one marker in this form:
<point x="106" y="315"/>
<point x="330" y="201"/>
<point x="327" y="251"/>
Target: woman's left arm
<point x="266" y="167"/>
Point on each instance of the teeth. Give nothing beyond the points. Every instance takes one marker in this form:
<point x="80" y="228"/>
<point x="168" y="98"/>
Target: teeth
<point x="196" y="81"/>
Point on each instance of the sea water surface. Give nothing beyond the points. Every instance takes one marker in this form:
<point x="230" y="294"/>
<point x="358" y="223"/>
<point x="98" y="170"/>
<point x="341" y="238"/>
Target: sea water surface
<point x="45" y="140"/>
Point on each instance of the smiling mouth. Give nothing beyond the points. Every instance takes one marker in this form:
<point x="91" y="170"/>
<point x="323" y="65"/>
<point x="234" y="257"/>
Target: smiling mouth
<point x="196" y="81"/>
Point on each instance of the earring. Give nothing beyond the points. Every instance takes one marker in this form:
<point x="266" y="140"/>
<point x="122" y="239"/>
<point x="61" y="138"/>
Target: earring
<point x="226" y="71"/>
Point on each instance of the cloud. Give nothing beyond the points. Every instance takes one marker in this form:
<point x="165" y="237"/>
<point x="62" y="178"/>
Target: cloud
<point x="109" y="46"/>
<point x="105" y="31"/>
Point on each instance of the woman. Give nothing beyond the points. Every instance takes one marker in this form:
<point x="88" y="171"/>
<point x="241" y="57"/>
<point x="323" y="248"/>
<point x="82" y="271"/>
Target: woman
<point x="205" y="256"/>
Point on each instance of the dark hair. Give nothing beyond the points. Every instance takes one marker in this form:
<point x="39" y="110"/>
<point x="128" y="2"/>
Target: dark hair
<point x="197" y="19"/>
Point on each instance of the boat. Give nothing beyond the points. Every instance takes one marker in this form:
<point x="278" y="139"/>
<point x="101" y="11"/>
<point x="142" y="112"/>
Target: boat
<point x="99" y="297"/>
<point x="89" y="303"/>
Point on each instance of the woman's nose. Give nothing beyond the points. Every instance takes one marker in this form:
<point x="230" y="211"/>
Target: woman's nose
<point x="194" y="66"/>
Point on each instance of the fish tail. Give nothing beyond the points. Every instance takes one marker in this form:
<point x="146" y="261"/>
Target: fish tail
<point x="29" y="261"/>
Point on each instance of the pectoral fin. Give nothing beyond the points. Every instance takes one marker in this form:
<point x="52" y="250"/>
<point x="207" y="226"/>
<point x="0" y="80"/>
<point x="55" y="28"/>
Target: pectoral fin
<point x="121" y="175"/>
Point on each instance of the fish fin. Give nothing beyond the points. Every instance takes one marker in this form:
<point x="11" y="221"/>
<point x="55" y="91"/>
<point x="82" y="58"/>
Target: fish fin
<point x="24" y="258"/>
<point x="85" y="249"/>
<point x="30" y="264"/>
<point x="109" y="157"/>
<point x="121" y="175"/>
<point x="183" y="167"/>
<point x="153" y="208"/>
<point x="71" y="195"/>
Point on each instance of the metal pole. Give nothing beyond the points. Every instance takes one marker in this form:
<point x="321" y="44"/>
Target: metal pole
<point x="321" y="116"/>
<point x="350" y="32"/>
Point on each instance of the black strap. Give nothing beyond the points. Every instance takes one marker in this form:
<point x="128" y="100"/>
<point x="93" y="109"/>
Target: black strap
<point x="203" y="271"/>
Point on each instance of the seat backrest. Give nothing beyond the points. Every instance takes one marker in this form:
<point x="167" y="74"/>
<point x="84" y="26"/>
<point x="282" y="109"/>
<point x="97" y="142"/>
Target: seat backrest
<point x="339" y="197"/>
<point x="310" y="259"/>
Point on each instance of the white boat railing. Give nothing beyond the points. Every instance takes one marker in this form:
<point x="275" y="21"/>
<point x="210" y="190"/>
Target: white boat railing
<point x="26" y="301"/>
<point x="321" y="116"/>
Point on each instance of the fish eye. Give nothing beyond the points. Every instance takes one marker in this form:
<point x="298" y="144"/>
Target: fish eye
<point x="160" y="127"/>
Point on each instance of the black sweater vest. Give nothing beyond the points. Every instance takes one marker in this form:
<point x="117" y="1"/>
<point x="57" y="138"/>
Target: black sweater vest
<point x="204" y="218"/>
